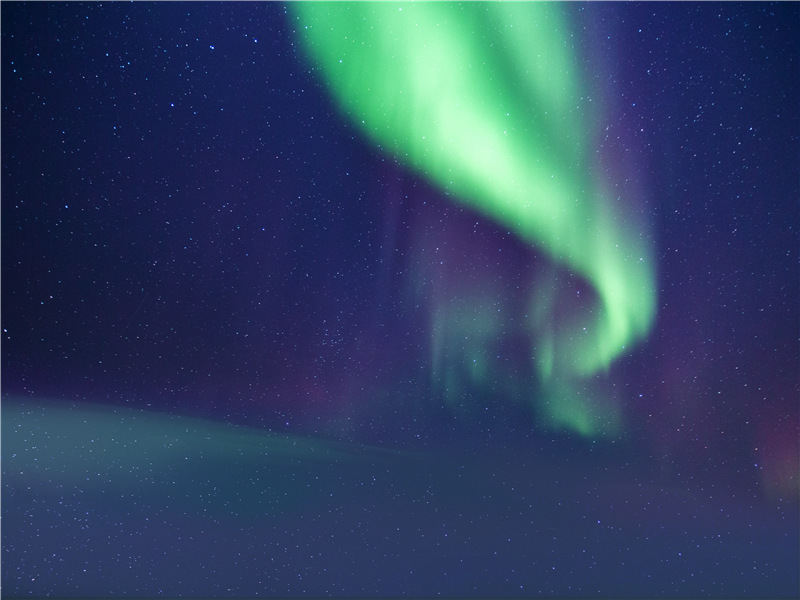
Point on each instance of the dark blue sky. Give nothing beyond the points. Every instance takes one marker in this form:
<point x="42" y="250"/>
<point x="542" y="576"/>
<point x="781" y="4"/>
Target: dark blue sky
<point x="191" y="228"/>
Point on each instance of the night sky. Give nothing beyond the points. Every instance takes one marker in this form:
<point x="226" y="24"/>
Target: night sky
<point x="400" y="300"/>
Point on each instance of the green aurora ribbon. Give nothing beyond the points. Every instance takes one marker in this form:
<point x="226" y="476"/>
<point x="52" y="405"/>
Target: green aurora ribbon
<point x="486" y="101"/>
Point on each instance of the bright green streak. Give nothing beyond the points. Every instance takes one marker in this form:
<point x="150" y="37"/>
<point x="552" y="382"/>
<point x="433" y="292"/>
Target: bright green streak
<point x="486" y="101"/>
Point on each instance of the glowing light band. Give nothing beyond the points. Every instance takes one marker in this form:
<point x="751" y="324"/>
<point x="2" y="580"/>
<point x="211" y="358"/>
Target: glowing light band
<point x="486" y="100"/>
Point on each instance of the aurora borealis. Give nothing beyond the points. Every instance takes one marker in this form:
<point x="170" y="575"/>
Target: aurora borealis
<point x="501" y="122"/>
<point x="400" y="299"/>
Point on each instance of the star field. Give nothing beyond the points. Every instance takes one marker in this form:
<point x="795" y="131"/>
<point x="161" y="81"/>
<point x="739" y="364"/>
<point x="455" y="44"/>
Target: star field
<point x="259" y="338"/>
